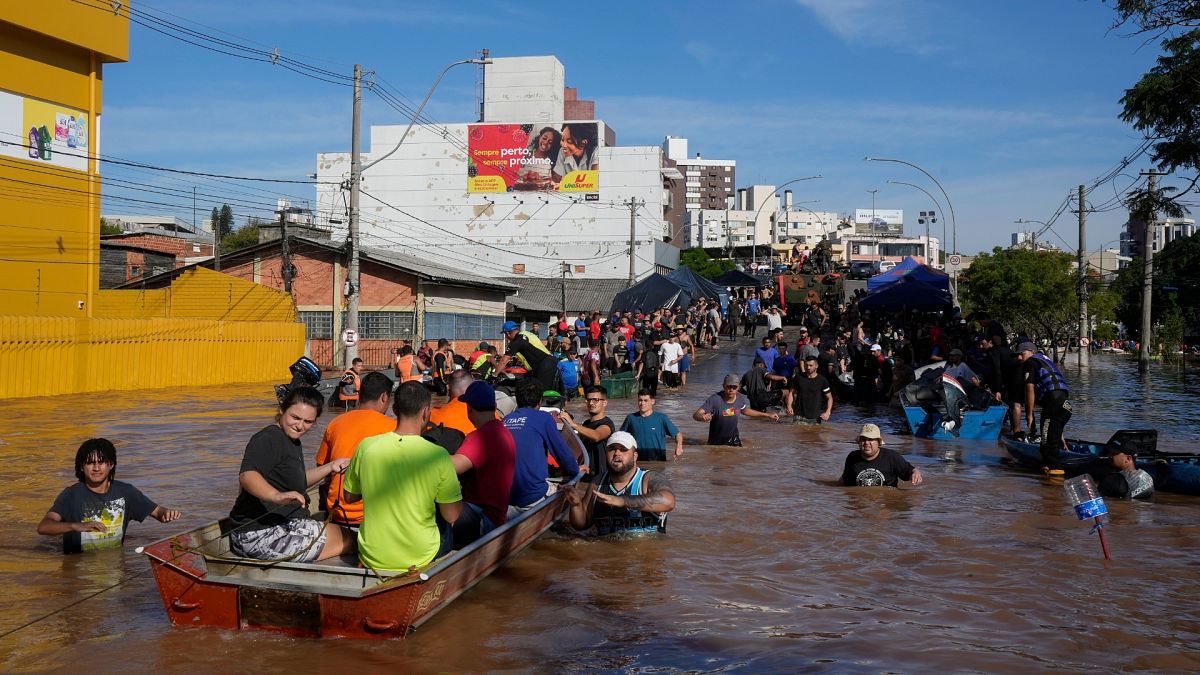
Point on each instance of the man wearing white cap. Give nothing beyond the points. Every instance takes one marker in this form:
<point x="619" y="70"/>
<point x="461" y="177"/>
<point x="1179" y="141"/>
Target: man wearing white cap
<point x="625" y="498"/>
<point x="873" y="465"/>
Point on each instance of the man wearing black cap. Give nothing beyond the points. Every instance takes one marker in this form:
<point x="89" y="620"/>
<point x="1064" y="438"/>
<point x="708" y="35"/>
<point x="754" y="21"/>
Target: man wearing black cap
<point x="1129" y="482"/>
<point x="484" y="464"/>
<point x="1045" y="386"/>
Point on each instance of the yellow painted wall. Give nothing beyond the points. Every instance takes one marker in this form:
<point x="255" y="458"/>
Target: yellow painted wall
<point x="200" y="293"/>
<point x="91" y="25"/>
<point x="45" y="356"/>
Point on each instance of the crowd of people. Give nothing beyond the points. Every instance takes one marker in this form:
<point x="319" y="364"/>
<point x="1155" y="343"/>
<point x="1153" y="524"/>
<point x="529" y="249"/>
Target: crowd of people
<point x="404" y="489"/>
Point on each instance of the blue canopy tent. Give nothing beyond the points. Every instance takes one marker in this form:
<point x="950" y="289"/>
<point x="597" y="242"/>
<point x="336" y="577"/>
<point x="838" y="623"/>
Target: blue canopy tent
<point x="909" y="292"/>
<point x="909" y="268"/>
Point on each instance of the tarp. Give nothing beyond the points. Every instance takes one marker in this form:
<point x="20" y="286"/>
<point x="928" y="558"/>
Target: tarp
<point x="738" y="279"/>
<point x="651" y="293"/>
<point x="909" y="268"/>
<point x="695" y="284"/>
<point x="908" y="292"/>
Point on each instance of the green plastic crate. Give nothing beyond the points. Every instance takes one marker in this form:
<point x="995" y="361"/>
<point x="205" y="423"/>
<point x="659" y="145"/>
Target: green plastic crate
<point x="620" y="387"/>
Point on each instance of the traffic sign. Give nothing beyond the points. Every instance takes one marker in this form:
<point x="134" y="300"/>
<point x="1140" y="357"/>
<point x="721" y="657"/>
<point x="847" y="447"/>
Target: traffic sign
<point x="955" y="260"/>
<point x="349" y="337"/>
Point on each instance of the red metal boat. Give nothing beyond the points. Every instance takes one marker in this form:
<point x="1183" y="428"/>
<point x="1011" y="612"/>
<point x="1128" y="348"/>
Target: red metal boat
<point x="203" y="583"/>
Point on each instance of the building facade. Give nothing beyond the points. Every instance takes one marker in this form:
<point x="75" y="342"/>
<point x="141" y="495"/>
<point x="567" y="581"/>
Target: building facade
<point x="705" y="184"/>
<point x="429" y="197"/>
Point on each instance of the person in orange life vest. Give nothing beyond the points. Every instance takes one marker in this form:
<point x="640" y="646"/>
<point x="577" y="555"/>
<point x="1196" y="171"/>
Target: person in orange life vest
<point x="344" y="434"/>
<point x="350" y="384"/>
<point x="409" y="366"/>
<point x="453" y="413"/>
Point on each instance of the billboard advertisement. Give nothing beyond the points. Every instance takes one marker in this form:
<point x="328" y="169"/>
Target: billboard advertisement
<point x="556" y="157"/>
<point x="42" y="131"/>
<point x="879" y="217"/>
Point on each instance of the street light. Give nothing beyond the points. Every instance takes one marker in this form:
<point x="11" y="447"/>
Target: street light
<point x="940" y="210"/>
<point x="754" y="239"/>
<point x="1033" y="242"/>
<point x="873" y="191"/>
<point x="953" y="219"/>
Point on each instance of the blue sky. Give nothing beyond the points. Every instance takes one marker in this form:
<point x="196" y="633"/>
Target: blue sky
<point x="1009" y="104"/>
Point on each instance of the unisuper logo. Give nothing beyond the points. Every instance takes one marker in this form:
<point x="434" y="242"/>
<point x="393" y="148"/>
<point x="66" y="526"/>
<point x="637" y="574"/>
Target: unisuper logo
<point x="580" y="181"/>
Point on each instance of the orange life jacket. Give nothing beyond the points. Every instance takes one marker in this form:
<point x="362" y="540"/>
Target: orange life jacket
<point x="342" y="394"/>
<point x="406" y="369"/>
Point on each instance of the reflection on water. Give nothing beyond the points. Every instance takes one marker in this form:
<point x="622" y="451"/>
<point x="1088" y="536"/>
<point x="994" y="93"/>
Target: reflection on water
<point x="769" y="564"/>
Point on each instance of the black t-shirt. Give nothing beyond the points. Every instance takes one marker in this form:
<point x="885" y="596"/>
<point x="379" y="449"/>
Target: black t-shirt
<point x="596" y="448"/>
<point x="280" y="461"/>
<point x="810" y="396"/>
<point x="115" y="508"/>
<point x="754" y="384"/>
<point x="886" y="469"/>
<point x="723" y="427"/>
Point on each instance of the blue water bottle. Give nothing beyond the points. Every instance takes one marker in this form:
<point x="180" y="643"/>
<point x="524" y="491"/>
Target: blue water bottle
<point x="1085" y="497"/>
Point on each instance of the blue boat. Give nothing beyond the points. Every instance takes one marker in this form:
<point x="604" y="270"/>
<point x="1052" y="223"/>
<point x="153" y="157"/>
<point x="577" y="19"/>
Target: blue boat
<point x="1171" y="472"/>
<point x="925" y="421"/>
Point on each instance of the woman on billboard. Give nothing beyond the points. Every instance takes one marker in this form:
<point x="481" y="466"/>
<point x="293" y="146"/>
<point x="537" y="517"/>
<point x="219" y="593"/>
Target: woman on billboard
<point x="578" y="149"/>
<point x="540" y="156"/>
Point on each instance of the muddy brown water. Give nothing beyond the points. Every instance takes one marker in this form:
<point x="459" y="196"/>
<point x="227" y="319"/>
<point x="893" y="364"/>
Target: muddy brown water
<point x="768" y="566"/>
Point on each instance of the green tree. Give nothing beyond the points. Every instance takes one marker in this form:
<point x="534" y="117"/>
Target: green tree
<point x="226" y="219"/>
<point x="215" y="224"/>
<point x="1102" y="305"/>
<point x="240" y="238"/>
<point x="106" y="228"/>
<point x="1175" y="288"/>
<point x="1027" y="290"/>
<point x="700" y="263"/>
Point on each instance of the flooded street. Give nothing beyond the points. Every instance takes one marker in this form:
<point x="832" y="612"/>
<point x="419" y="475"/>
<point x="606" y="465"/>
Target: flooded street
<point x="769" y="564"/>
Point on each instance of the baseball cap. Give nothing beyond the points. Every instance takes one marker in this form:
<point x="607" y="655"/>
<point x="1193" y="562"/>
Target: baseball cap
<point x="508" y="325"/>
<point x="483" y="346"/>
<point x="732" y="379"/>
<point x="956" y="352"/>
<point x="479" y="396"/>
<point x="870" y="431"/>
<point x="622" y="438"/>
<point x="1026" y="347"/>
<point x="876" y="348"/>
<point x="1114" y="448"/>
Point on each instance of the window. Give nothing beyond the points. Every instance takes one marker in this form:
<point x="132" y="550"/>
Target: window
<point x="462" y="326"/>
<point x="385" y="325"/>
<point x="135" y="271"/>
<point x="317" y="325"/>
<point x="727" y="179"/>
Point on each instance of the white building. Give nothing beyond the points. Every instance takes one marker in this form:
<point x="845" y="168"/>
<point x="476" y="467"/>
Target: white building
<point x="891" y="247"/>
<point x="169" y="225"/>
<point x="417" y="199"/>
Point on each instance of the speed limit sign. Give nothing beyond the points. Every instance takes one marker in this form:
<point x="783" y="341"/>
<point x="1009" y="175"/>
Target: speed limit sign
<point x="349" y="337"/>
<point x="955" y="260"/>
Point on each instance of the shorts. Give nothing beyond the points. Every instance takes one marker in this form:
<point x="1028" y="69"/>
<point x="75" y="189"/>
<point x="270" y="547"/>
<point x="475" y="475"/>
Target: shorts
<point x="297" y="540"/>
<point x="683" y="364"/>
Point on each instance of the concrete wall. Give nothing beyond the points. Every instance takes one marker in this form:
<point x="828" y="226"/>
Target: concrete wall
<point x="426" y="180"/>
<point x="524" y="89"/>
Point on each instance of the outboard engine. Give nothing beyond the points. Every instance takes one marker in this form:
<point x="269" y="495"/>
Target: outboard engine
<point x="304" y="372"/>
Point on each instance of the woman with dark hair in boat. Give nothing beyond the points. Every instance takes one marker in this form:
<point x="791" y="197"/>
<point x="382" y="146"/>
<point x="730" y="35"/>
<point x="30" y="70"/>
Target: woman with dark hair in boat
<point x="625" y="498"/>
<point x="94" y="513"/>
<point x="270" y="518"/>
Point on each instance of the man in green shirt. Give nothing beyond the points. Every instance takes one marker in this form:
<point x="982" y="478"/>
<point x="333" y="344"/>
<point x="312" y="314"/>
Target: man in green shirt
<point x="404" y="482"/>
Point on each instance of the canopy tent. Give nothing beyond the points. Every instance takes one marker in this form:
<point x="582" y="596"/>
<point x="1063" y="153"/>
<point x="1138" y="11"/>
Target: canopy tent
<point x="697" y="285"/>
<point x="908" y="292"/>
<point x="909" y="268"/>
<point x="651" y="293"/>
<point x="738" y="279"/>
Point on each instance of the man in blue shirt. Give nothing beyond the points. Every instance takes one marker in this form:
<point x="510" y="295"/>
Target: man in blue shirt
<point x="752" y="309"/>
<point x="536" y="435"/>
<point x="785" y="364"/>
<point x="651" y="429"/>
<point x="767" y="353"/>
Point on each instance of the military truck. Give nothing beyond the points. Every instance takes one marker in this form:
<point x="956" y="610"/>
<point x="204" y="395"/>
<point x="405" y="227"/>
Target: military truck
<point x="798" y="290"/>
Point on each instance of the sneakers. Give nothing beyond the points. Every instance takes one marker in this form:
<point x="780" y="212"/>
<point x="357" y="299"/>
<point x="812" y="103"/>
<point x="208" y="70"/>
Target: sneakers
<point x="948" y="425"/>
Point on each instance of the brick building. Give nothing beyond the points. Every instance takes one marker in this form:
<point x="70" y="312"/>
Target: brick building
<point x="184" y="249"/>
<point x="402" y="298"/>
<point x="121" y="263"/>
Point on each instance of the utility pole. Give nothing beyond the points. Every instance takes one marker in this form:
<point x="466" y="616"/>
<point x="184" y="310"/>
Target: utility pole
<point x="288" y="271"/>
<point x="1147" y="281"/>
<point x="563" y="267"/>
<point x="633" y="207"/>
<point x="1084" y="320"/>
<point x="352" y="285"/>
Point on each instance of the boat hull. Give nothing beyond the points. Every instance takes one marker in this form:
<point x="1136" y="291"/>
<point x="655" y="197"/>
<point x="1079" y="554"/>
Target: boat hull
<point x="1171" y="473"/>
<point x="976" y="424"/>
<point x="201" y="584"/>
